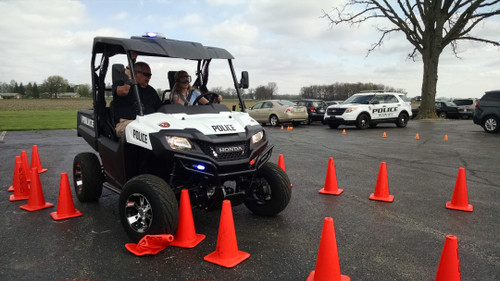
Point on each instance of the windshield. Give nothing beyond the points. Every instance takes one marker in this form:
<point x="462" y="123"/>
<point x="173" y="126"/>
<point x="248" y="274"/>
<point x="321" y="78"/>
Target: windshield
<point x="361" y="99"/>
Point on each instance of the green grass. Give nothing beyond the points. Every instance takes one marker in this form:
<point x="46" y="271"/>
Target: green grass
<point x="37" y="120"/>
<point x="51" y="114"/>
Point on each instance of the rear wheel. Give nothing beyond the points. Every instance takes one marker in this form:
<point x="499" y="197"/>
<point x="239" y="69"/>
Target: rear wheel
<point x="402" y="120"/>
<point x="491" y="124"/>
<point x="148" y="205"/>
<point x="363" y="121"/>
<point x="270" y="191"/>
<point x="87" y="177"/>
<point x="273" y="120"/>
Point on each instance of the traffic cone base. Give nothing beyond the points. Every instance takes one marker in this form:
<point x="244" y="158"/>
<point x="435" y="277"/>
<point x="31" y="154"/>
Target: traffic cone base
<point x="388" y="198"/>
<point x="459" y="200"/>
<point x="186" y="236"/>
<point x="36" y="201"/>
<point x="449" y="264"/>
<point x="342" y="277"/>
<point x="150" y="244"/>
<point x="237" y="258"/>
<point x="331" y="186"/>
<point x="65" y="207"/>
<point x="226" y="253"/>
<point x="467" y="208"/>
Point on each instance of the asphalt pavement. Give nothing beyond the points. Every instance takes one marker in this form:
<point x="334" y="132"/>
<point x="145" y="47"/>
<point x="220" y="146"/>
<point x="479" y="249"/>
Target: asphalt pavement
<point x="402" y="240"/>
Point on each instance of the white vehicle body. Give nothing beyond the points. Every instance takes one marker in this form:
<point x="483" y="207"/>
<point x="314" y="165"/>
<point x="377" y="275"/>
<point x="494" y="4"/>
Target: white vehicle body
<point x="369" y="109"/>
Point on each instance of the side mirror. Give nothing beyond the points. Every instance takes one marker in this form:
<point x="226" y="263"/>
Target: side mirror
<point x="244" y="82"/>
<point x="375" y="102"/>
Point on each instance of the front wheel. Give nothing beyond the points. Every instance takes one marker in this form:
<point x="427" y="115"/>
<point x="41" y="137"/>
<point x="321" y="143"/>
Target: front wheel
<point x="402" y="120"/>
<point x="87" y="177"/>
<point x="491" y="124"/>
<point x="270" y="191"/>
<point x="147" y="205"/>
<point x="363" y="121"/>
<point x="442" y="115"/>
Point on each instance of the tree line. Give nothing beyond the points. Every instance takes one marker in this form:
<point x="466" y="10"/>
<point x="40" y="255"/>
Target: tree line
<point x="50" y="88"/>
<point x="56" y="85"/>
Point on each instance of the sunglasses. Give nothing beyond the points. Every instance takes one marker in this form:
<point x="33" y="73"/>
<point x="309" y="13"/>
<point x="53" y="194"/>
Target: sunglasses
<point x="145" y="73"/>
<point x="184" y="79"/>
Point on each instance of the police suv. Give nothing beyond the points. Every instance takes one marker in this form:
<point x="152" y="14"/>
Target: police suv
<point x="368" y="109"/>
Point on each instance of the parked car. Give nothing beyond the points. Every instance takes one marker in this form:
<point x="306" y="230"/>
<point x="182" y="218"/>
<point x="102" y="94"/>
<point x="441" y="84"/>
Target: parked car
<point x="447" y="109"/>
<point x="368" y="109"/>
<point x="276" y="112"/>
<point x="315" y="109"/>
<point x="466" y="107"/>
<point x="487" y="112"/>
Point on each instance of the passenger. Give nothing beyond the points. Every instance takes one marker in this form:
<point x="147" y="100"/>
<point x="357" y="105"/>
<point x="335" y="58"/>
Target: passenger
<point x="124" y="103"/>
<point x="183" y="93"/>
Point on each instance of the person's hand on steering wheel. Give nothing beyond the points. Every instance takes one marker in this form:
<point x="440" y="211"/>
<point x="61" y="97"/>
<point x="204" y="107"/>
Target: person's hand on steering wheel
<point x="210" y="97"/>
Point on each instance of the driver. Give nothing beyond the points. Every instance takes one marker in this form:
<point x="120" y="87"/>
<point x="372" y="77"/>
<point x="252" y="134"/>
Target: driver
<point x="183" y="93"/>
<point x="124" y="103"/>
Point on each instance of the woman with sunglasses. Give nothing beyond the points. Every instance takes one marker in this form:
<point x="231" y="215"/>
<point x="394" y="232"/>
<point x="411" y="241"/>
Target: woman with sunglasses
<point x="183" y="93"/>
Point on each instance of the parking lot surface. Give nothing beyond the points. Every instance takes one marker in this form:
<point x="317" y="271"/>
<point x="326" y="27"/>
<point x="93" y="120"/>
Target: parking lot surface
<point x="402" y="240"/>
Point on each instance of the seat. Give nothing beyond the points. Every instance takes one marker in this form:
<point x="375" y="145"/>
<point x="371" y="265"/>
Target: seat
<point x="171" y="83"/>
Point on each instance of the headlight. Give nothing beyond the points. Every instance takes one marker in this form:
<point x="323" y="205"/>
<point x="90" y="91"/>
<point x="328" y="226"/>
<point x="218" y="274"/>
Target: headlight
<point x="178" y="143"/>
<point x="350" y="109"/>
<point x="257" y="137"/>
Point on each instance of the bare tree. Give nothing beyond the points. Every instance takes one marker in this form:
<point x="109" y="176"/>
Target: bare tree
<point x="429" y="25"/>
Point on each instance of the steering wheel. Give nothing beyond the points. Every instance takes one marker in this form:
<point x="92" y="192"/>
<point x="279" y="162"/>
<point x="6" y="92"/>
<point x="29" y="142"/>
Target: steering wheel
<point x="210" y="96"/>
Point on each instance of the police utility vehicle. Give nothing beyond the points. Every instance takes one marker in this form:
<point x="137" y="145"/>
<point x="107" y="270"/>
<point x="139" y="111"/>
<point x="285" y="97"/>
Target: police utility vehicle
<point x="212" y="151"/>
<point x="368" y="109"/>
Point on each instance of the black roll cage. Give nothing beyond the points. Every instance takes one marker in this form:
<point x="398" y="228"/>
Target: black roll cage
<point x="158" y="47"/>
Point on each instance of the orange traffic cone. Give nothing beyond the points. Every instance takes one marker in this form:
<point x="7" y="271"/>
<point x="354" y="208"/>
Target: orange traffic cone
<point x="36" y="201"/>
<point x="327" y="263"/>
<point x="281" y="162"/>
<point x="382" y="187"/>
<point x="226" y="253"/>
<point x="26" y="165"/>
<point x="65" y="207"/>
<point x="19" y="184"/>
<point x="35" y="160"/>
<point x="417" y="137"/>
<point x="460" y="200"/>
<point x="150" y="244"/>
<point x="282" y="127"/>
<point x="331" y="186"/>
<point x="343" y="132"/>
<point x="449" y="265"/>
<point x="186" y="236"/>
<point x="445" y="137"/>
<point x="384" y="135"/>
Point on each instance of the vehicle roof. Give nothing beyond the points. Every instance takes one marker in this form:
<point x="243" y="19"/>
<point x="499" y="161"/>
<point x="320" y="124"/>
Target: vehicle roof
<point x="161" y="47"/>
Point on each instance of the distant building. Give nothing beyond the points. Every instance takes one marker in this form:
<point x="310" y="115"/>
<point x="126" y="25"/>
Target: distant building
<point x="10" y="96"/>
<point x="68" y="95"/>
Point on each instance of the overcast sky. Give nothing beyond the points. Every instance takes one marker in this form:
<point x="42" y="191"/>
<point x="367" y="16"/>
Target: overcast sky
<point x="282" y="41"/>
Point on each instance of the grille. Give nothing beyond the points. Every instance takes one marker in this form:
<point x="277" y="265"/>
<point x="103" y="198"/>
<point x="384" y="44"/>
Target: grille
<point x="225" y="151"/>
<point x="336" y="111"/>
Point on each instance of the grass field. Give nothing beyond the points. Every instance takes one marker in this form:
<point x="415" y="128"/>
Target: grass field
<point x="49" y="114"/>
